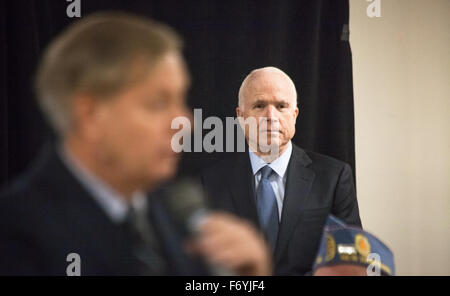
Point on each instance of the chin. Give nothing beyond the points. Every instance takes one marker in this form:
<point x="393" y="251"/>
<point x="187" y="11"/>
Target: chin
<point x="165" y="172"/>
<point x="274" y="142"/>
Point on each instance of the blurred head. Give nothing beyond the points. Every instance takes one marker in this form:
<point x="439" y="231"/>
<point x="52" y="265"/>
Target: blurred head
<point x="349" y="250"/>
<point x="269" y="96"/>
<point x="111" y="85"/>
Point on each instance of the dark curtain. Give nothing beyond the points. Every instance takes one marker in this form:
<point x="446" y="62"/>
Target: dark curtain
<point x="224" y="41"/>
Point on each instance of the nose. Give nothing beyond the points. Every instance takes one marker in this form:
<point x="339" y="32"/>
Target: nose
<point x="271" y="113"/>
<point x="186" y="112"/>
<point x="181" y="110"/>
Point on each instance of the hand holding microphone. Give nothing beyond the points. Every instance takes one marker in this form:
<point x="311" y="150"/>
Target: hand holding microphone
<point x="230" y="245"/>
<point x="233" y="243"/>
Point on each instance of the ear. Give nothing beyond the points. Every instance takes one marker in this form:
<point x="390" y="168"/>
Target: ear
<point x="88" y="112"/>
<point x="239" y="112"/>
<point x="296" y="111"/>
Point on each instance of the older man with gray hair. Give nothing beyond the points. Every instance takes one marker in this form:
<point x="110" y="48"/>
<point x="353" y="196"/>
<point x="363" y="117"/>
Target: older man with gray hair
<point x="284" y="190"/>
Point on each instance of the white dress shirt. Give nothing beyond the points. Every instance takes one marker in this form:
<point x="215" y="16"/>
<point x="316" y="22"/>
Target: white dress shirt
<point x="110" y="201"/>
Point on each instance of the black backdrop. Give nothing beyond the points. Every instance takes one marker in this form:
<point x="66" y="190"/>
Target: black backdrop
<point x="224" y="41"/>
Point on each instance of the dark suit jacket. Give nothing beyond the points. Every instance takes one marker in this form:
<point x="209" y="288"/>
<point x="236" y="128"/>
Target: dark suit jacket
<point x="316" y="186"/>
<point x="47" y="214"/>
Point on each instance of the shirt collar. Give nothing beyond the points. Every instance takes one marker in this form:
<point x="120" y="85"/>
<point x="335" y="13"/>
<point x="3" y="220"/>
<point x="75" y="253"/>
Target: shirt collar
<point x="279" y="165"/>
<point x="112" y="202"/>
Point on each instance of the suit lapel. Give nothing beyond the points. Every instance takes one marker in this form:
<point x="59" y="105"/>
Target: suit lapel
<point x="242" y="187"/>
<point x="87" y="221"/>
<point x="298" y="185"/>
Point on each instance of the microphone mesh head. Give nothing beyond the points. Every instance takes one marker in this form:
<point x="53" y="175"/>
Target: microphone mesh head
<point x="185" y="199"/>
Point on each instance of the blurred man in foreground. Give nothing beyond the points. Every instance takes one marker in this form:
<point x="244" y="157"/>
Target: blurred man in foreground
<point x="350" y="251"/>
<point x="111" y="85"/>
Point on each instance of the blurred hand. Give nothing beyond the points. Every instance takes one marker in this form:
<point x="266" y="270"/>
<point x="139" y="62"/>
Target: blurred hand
<point x="234" y="244"/>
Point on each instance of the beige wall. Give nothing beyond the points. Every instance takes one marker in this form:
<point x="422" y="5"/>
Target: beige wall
<point x="401" y="70"/>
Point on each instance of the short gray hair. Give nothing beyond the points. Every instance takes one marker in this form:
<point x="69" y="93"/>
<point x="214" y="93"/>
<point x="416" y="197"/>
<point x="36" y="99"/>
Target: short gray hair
<point x="95" y="56"/>
<point x="255" y="72"/>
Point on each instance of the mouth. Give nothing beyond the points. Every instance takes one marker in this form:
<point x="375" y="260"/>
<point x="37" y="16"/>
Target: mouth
<point x="271" y="131"/>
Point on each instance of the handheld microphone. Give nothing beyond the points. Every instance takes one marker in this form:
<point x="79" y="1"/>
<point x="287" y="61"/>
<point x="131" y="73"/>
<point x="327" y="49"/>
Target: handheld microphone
<point x="187" y="203"/>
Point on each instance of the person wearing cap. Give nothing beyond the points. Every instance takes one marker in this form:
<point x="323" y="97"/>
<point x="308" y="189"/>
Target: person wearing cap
<point x="350" y="251"/>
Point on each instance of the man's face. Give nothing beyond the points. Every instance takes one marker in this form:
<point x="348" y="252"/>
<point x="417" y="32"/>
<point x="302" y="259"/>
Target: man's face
<point x="133" y="129"/>
<point x="271" y="100"/>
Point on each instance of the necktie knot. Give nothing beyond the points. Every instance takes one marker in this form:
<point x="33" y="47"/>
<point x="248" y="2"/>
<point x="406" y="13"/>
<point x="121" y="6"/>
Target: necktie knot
<point x="266" y="171"/>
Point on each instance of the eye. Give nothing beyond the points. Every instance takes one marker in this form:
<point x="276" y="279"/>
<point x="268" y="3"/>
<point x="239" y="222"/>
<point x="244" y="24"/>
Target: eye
<point x="258" y="106"/>
<point x="282" y="106"/>
<point x="157" y="104"/>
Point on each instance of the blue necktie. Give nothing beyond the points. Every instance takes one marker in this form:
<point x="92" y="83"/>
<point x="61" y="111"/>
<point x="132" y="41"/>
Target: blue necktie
<point x="267" y="207"/>
<point x="143" y="240"/>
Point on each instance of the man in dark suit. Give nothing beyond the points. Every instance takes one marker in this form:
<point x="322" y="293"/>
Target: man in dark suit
<point x="49" y="214"/>
<point x="286" y="191"/>
<point x="111" y="85"/>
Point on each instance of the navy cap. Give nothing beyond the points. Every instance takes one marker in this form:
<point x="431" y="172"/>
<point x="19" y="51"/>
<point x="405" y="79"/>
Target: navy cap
<point x="343" y="244"/>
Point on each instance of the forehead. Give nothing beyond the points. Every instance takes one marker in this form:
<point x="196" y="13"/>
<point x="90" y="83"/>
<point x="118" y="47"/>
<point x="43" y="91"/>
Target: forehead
<point x="169" y="71"/>
<point x="270" y="86"/>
